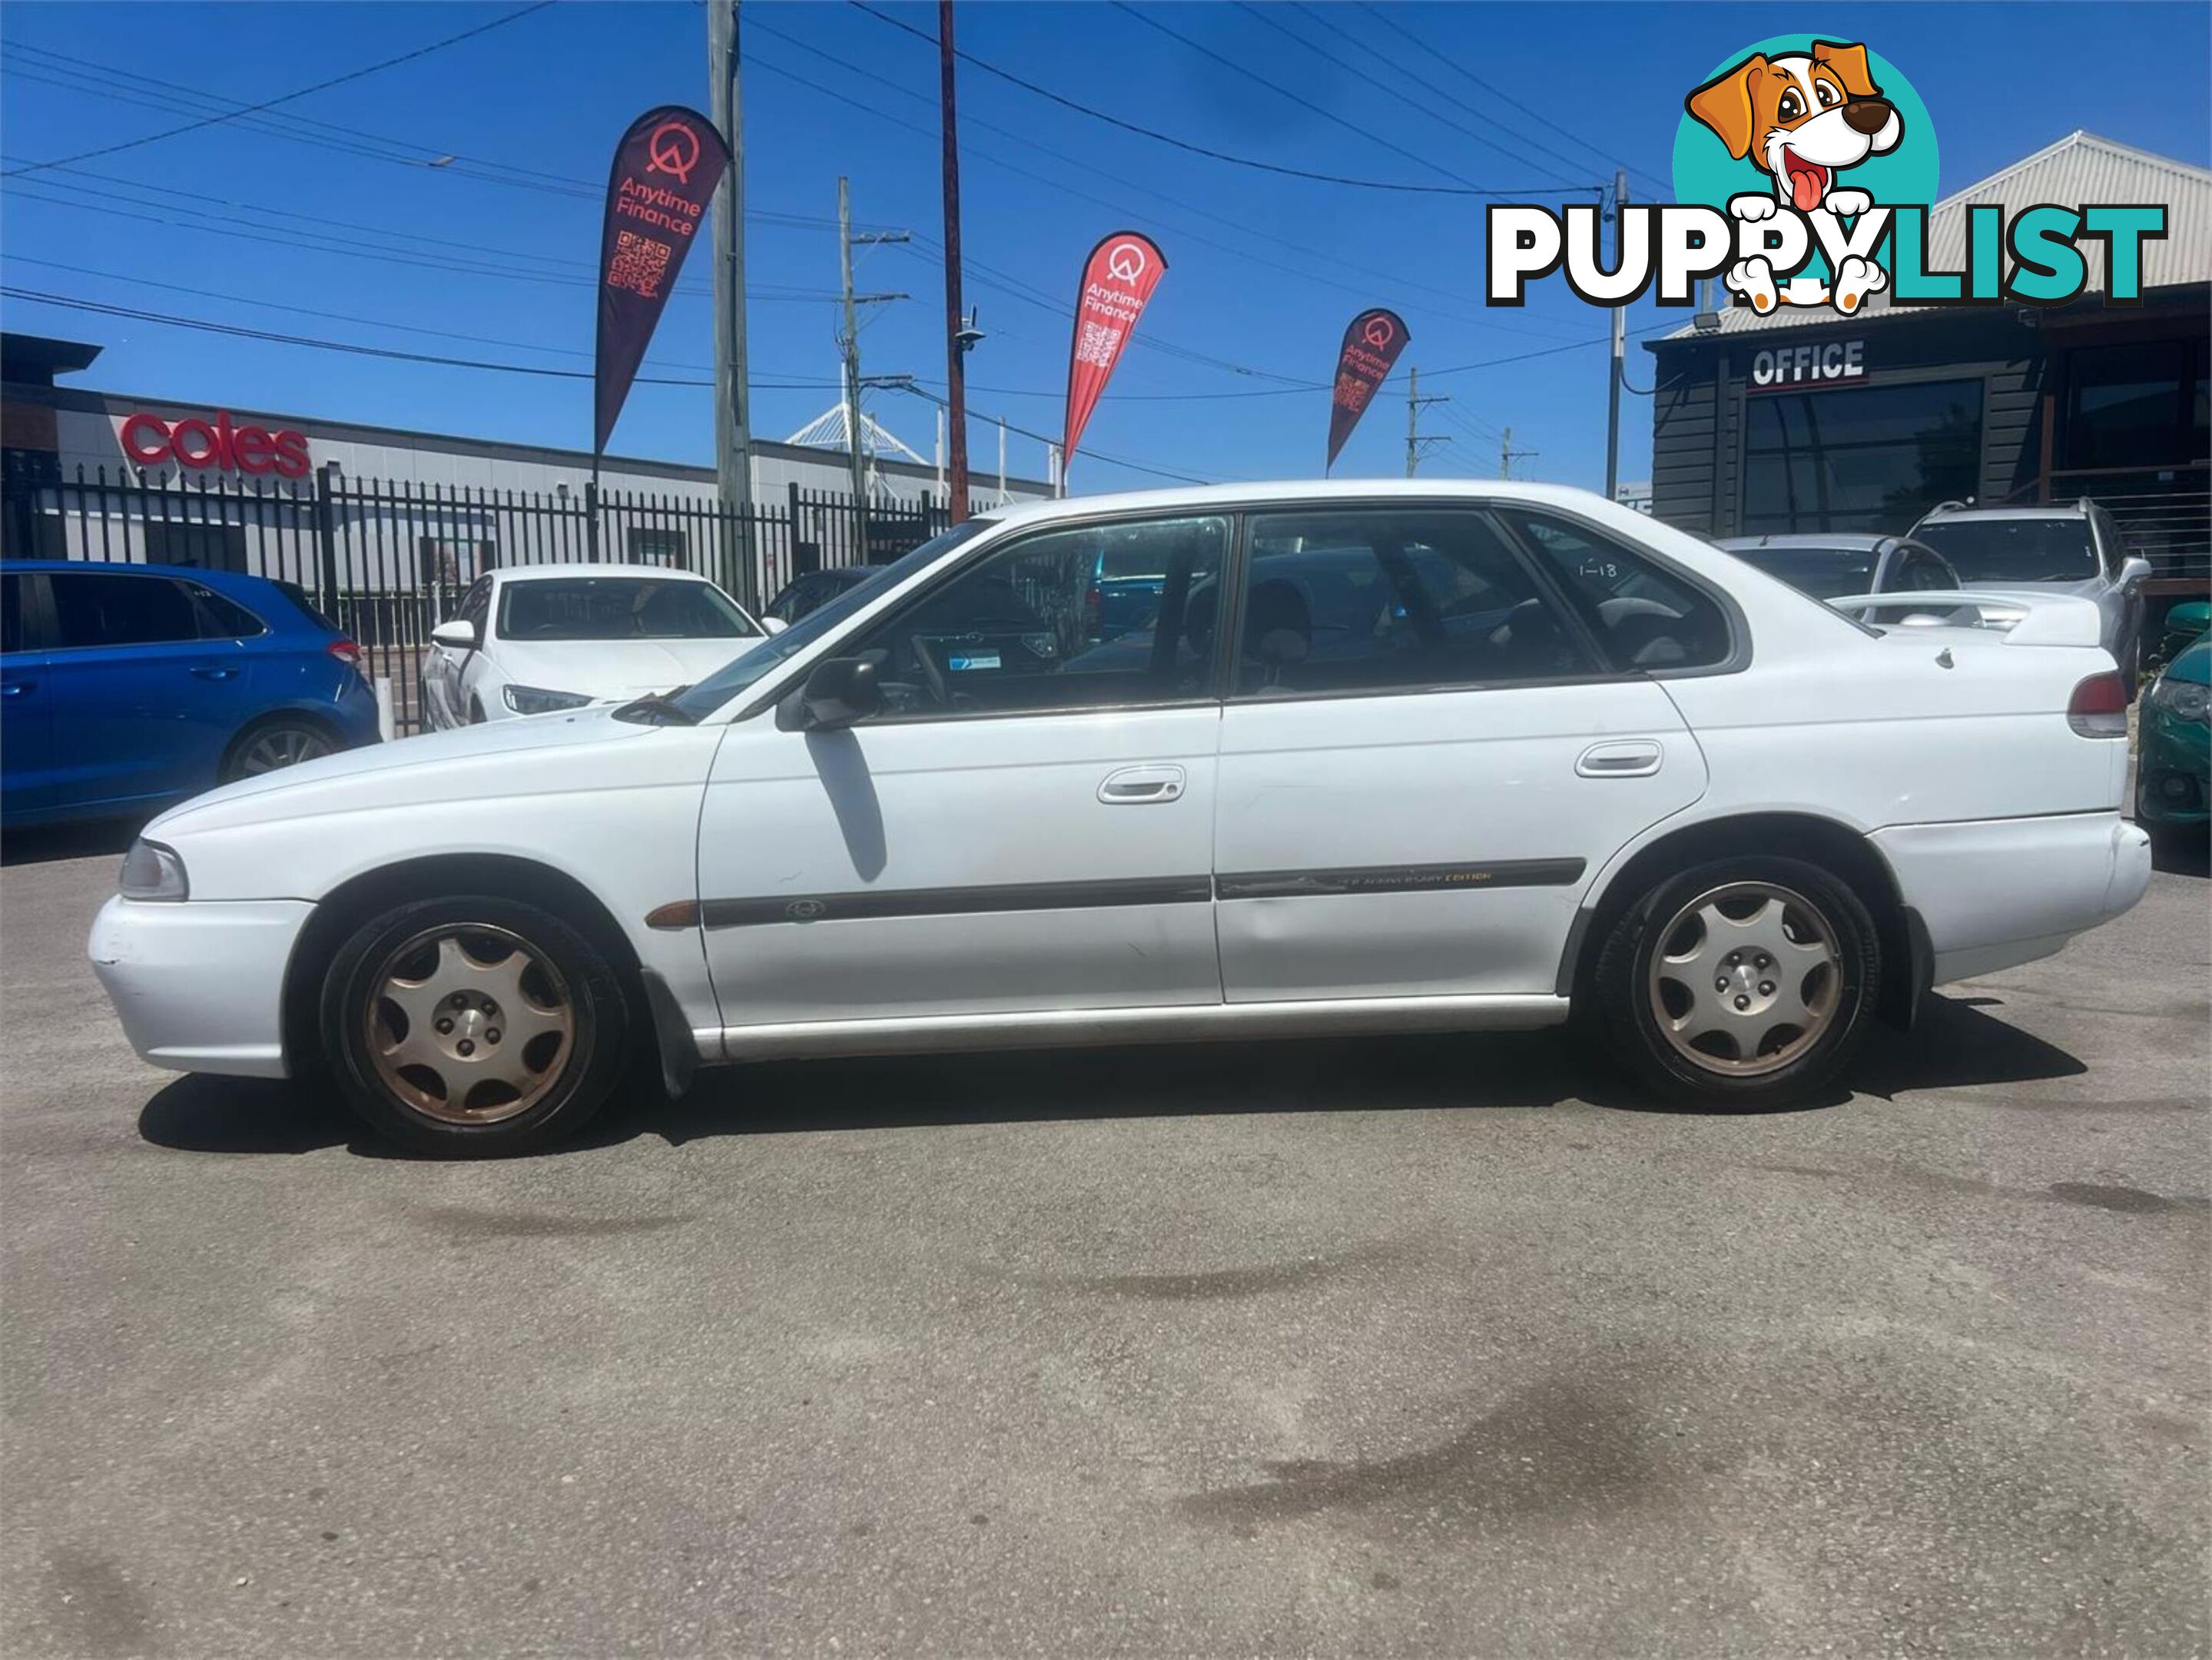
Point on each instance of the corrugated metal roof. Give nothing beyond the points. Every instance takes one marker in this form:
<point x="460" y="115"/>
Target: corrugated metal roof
<point x="2078" y="168"/>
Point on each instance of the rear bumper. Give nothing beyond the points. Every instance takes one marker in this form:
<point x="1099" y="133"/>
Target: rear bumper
<point x="199" y="986"/>
<point x="1998" y="891"/>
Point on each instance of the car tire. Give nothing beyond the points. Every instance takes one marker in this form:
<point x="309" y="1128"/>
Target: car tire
<point x="272" y="745"/>
<point x="1765" y="1014"/>
<point x="442" y="1041"/>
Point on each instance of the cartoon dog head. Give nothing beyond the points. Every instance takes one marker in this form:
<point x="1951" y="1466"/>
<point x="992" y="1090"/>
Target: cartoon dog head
<point x="1803" y="116"/>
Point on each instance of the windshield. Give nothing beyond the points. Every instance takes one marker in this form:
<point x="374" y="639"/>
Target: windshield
<point x="2015" y="550"/>
<point x="619" y="608"/>
<point x="734" y="677"/>
<point x="1824" y="572"/>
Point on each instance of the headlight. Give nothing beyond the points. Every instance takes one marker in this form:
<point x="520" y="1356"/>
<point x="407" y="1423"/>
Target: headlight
<point x="151" y="871"/>
<point x="536" y="700"/>
<point x="2184" y="700"/>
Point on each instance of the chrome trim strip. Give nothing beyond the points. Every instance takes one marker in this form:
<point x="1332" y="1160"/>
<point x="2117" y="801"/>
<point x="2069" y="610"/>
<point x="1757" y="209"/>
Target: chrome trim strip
<point x="1190" y="1024"/>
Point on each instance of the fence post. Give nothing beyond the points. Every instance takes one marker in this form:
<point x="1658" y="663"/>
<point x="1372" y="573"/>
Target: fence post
<point x="326" y="537"/>
<point x="591" y="519"/>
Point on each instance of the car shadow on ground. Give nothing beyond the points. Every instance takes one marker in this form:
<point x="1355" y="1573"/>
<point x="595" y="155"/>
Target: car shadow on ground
<point x="44" y="844"/>
<point x="1955" y="1044"/>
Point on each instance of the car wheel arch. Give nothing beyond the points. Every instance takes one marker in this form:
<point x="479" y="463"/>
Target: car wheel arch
<point x="353" y="901"/>
<point x="1833" y="845"/>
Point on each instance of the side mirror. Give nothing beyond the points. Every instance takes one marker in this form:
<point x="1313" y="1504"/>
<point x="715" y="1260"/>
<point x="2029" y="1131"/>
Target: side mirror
<point x="773" y="625"/>
<point x="839" y="692"/>
<point x="460" y="635"/>
<point x="2135" y="571"/>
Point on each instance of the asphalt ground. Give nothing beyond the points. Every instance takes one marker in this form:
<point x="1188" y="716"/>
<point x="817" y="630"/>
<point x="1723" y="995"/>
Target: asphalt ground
<point x="1383" y="1346"/>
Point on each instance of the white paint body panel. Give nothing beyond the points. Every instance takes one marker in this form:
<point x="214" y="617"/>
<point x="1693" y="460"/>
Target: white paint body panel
<point x="1429" y="779"/>
<point x="1999" y="824"/>
<point x="961" y="804"/>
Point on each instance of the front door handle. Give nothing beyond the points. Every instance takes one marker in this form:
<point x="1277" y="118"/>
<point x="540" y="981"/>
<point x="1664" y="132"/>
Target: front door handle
<point x="1636" y="758"/>
<point x="16" y="688"/>
<point x="213" y="671"/>
<point x="1134" y="787"/>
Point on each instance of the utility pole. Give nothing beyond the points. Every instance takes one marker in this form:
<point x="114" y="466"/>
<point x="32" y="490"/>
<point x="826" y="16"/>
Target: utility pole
<point x="955" y="343"/>
<point x="851" y="343"/>
<point x="1507" y="455"/>
<point x="1417" y="446"/>
<point x="1619" y="342"/>
<point x="733" y="443"/>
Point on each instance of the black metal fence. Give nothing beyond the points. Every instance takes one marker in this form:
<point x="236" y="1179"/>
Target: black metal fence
<point x="387" y="562"/>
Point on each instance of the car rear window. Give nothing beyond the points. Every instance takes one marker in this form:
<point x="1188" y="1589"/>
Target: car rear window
<point x="1824" y="572"/>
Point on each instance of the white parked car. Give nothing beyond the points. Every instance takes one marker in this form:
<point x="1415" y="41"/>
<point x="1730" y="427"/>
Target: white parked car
<point x="1382" y="757"/>
<point x="538" y="638"/>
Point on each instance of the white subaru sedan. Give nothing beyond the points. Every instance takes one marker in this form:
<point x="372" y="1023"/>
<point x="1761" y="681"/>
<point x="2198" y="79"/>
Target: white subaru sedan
<point x="1380" y="757"/>
<point x="535" y="638"/>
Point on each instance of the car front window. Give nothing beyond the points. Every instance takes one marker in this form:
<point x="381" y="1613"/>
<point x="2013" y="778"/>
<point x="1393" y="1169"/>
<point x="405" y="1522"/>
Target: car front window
<point x="2015" y="550"/>
<point x="603" y="608"/>
<point x="701" y="700"/>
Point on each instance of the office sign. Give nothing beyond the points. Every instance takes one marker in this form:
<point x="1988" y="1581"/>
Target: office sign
<point x="1820" y="363"/>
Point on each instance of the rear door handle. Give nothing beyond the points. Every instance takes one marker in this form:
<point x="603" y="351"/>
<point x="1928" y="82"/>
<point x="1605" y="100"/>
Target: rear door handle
<point x="16" y="688"/>
<point x="1134" y="787"/>
<point x="1636" y="758"/>
<point x="213" y="671"/>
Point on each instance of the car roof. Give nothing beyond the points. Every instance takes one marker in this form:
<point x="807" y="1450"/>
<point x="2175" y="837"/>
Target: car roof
<point x="546" y="573"/>
<point x="213" y="579"/>
<point x="1297" y="493"/>
<point x="2039" y="510"/>
<point x="1841" y="541"/>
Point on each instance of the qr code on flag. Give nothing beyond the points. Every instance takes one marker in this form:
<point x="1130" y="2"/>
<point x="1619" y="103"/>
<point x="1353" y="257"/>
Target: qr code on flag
<point x="1097" y="344"/>
<point x="638" y="265"/>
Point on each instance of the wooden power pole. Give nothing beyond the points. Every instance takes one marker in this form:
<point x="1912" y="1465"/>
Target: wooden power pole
<point x="956" y="345"/>
<point x="734" y="458"/>
<point x="1417" y="446"/>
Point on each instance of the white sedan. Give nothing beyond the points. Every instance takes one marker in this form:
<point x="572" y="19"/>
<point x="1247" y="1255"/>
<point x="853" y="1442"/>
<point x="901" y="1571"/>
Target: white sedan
<point x="1381" y="758"/>
<point x="538" y="638"/>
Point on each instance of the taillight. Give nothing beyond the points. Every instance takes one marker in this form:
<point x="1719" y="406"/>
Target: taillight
<point x="346" y="651"/>
<point x="2099" y="708"/>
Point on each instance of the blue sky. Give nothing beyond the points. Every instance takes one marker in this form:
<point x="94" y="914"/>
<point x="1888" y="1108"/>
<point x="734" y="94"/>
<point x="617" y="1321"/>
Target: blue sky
<point x="1264" y="270"/>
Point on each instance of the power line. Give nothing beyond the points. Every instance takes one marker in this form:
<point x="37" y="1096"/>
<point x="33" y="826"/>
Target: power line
<point x="1460" y="69"/>
<point x="1169" y="138"/>
<point x="1257" y="79"/>
<point x="271" y="103"/>
<point x="1337" y="58"/>
<point x="756" y="25"/>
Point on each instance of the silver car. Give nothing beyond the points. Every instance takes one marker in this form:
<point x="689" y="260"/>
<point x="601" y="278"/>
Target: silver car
<point x="1830" y="565"/>
<point x="2073" y="547"/>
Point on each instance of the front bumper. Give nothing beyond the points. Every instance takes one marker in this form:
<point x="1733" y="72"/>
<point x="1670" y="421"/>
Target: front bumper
<point x="199" y="986"/>
<point x="1998" y="891"/>
<point x="2174" y="772"/>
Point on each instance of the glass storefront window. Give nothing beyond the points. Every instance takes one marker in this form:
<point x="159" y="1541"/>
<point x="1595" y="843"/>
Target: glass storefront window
<point x="1858" y="458"/>
<point x="2141" y="403"/>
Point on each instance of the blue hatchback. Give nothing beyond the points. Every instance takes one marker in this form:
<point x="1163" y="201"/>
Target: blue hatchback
<point x="126" y="688"/>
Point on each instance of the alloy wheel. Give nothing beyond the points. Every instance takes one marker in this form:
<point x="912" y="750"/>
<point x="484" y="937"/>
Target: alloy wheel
<point x="468" y="1024"/>
<point x="279" y="747"/>
<point x="1745" y="978"/>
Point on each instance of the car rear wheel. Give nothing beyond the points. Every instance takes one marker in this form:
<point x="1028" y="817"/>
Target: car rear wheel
<point x="1741" y="984"/>
<point x="473" y="1025"/>
<point x="274" y="745"/>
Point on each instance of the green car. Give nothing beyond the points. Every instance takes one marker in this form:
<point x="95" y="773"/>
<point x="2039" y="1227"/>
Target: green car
<point x="2182" y="624"/>
<point x="2173" y="770"/>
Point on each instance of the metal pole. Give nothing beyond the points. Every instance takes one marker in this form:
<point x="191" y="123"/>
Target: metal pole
<point x="1412" y="420"/>
<point x="1619" y="344"/>
<point x="956" y="372"/>
<point x="734" y="481"/>
<point x="1505" y="454"/>
<point x="852" y="344"/>
<point x="1002" y="461"/>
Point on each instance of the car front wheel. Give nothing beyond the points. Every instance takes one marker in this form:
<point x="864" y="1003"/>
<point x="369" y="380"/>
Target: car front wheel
<point x="1742" y="984"/>
<point x="473" y="1025"/>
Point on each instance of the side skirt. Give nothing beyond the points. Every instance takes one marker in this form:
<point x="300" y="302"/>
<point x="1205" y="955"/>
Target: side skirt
<point x="1078" y="1027"/>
